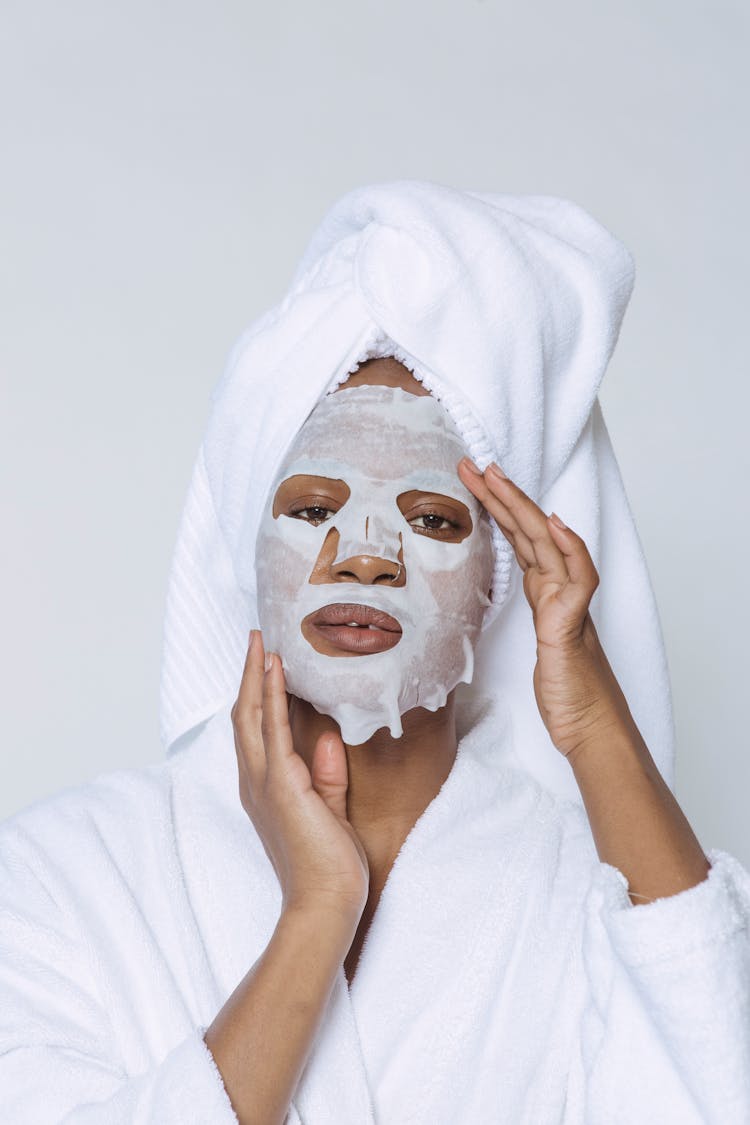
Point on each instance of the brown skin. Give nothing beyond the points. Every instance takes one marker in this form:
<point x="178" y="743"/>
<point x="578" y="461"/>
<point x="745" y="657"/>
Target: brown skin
<point x="635" y="820"/>
<point x="391" y="781"/>
<point x="333" y="818"/>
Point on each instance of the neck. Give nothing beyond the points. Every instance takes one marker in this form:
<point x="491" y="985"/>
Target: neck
<point x="391" y="780"/>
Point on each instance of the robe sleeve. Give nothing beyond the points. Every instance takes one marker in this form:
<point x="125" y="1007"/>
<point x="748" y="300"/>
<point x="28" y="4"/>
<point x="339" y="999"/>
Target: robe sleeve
<point x="58" y="1056"/>
<point x="666" y="1031"/>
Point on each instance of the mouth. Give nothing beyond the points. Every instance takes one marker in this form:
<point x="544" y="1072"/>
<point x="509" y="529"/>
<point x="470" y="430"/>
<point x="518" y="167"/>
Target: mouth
<point x="346" y="627"/>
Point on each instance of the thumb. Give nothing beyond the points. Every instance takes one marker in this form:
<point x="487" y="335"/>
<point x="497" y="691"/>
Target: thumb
<point x="330" y="773"/>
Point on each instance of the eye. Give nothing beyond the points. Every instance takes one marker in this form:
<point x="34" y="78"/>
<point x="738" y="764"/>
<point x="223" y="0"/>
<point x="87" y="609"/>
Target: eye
<point x="310" y="498"/>
<point x="431" y="521"/>
<point x="442" y="518"/>
<point x="312" y="513"/>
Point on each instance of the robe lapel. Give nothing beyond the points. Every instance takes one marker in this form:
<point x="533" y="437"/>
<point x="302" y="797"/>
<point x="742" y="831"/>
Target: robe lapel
<point x="431" y="953"/>
<point x="334" y="1086"/>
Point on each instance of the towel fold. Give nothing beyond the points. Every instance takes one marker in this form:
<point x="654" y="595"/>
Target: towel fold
<point x="507" y="308"/>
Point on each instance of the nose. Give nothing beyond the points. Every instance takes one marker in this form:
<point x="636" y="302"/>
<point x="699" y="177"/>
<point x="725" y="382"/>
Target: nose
<point x="369" y="570"/>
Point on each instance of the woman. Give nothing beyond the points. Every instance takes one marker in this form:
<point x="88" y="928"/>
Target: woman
<point x="403" y="914"/>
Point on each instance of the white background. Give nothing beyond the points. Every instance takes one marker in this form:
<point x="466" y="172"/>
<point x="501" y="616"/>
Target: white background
<point x="162" y="168"/>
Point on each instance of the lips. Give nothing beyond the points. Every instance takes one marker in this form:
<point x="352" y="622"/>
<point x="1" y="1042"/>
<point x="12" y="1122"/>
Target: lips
<point x="346" y="627"/>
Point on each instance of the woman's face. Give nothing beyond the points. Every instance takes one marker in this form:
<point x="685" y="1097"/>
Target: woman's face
<point x="373" y="560"/>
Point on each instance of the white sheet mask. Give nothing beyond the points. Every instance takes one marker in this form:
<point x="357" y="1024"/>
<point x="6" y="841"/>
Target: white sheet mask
<point x="382" y="442"/>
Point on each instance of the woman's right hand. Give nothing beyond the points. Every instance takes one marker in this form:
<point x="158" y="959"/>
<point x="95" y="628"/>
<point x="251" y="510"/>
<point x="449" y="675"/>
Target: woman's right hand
<point x="299" y="814"/>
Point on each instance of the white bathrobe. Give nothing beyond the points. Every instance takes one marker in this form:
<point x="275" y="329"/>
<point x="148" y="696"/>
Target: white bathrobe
<point x="506" y="976"/>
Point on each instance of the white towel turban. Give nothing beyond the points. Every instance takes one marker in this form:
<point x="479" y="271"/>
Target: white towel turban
<point x="507" y="308"/>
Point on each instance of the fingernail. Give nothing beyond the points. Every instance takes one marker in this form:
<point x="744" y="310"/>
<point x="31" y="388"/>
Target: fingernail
<point x="252" y="638"/>
<point x="558" y="522"/>
<point x="493" y="467"/>
<point x="268" y="661"/>
<point x="470" y="465"/>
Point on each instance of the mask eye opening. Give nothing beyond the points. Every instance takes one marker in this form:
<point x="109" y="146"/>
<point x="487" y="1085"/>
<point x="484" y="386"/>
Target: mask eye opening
<point x="302" y="491"/>
<point x="418" y="504"/>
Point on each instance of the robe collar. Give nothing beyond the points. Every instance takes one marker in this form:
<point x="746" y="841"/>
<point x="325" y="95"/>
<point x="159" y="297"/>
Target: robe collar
<point x="468" y="846"/>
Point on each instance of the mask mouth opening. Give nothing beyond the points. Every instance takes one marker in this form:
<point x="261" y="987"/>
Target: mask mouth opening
<point x="345" y="629"/>
<point x="357" y="615"/>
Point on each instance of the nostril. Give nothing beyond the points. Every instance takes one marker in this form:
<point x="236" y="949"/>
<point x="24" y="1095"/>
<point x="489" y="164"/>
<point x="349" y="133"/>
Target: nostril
<point x="365" y="569"/>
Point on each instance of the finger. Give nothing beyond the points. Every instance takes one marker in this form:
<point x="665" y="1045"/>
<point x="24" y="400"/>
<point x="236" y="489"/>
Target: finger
<point x="532" y="521"/>
<point x="526" y="516"/>
<point x="330" y="772"/>
<point x="247" y="712"/>
<point x="251" y="685"/>
<point x="584" y="577"/>
<point x="277" y="733"/>
<point x="521" y="544"/>
<point x="504" y="519"/>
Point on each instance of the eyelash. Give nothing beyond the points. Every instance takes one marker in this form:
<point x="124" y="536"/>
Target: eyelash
<point x="451" y="524"/>
<point x="299" y="513"/>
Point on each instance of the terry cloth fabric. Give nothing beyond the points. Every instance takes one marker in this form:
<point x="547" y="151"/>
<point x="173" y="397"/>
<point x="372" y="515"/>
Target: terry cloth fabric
<point x="505" y="978"/>
<point x="507" y="308"/>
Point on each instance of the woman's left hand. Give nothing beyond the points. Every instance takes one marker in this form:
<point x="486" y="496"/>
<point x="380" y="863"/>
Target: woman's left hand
<point x="576" y="691"/>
